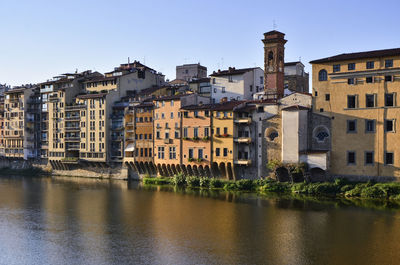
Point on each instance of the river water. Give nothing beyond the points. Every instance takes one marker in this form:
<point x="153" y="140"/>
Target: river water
<point x="86" y="221"/>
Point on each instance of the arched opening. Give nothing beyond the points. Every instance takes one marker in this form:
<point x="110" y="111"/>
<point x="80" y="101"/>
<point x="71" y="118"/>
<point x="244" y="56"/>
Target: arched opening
<point x="174" y="171"/>
<point x="195" y="171"/>
<point x="207" y="171"/>
<point x="222" y="170"/>
<point x="189" y="170"/>
<point x="201" y="171"/>
<point x="159" y="170"/>
<point x="184" y="170"/>
<point x="229" y="170"/>
<point x="282" y="174"/>
<point x="214" y="170"/>
<point x="317" y="175"/>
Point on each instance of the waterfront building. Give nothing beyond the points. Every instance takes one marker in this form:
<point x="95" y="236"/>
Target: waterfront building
<point x="236" y="84"/>
<point x="196" y="139"/>
<point x="139" y="145"/>
<point x="21" y="122"/>
<point x="188" y="72"/>
<point x="95" y="124"/>
<point x="295" y="78"/>
<point x="359" y="92"/>
<point x="224" y="150"/>
<point x="167" y="130"/>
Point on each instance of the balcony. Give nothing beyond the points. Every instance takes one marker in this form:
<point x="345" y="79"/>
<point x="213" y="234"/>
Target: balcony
<point x="72" y="138"/>
<point x="73" y="147"/>
<point x="71" y="160"/>
<point x="74" y="107"/>
<point x="243" y="120"/>
<point x="73" y="118"/>
<point x="130" y="124"/>
<point x="243" y="140"/>
<point x="53" y="98"/>
<point x="243" y="162"/>
<point x="69" y="129"/>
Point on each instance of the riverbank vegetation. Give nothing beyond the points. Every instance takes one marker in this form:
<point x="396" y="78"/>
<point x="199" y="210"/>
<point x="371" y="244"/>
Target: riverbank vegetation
<point x="339" y="188"/>
<point x="25" y="172"/>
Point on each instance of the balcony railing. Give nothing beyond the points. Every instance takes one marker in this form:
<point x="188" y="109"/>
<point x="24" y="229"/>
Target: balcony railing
<point x="246" y="120"/>
<point x="72" y="138"/>
<point x="70" y="118"/>
<point x="72" y="128"/>
<point x="243" y="162"/>
<point x="244" y="140"/>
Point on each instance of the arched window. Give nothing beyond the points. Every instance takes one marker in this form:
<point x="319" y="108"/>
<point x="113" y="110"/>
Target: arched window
<point x="270" y="56"/>
<point x="272" y="135"/>
<point x="322" y="75"/>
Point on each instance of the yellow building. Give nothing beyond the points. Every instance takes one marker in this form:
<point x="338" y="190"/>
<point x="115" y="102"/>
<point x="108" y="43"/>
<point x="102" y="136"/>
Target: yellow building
<point x="223" y="155"/>
<point x="359" y="92"/>
<point x="21" y="122"/>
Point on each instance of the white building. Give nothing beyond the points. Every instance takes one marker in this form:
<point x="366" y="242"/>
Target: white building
<point x="236" y="84"/>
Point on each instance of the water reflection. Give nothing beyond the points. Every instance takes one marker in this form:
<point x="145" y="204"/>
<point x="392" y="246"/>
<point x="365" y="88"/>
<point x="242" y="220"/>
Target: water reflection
<point x="85" y="221"/>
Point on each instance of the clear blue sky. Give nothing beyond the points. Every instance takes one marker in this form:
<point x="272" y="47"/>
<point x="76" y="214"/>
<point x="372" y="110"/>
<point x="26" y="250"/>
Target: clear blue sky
<point x="40" y="39"/>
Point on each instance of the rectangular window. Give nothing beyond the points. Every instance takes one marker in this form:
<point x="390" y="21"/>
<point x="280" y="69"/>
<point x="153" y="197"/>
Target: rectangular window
<point x="196" y="114"/>
<point x="190" y="153"/>
<point x="200" y="154"/>
<point x="389" y="99"/>
<point x="351" y="157"/>
<point x="217" y="152"/>
<point x="225" y="151"/>
<point x="351" y="66"/>
<point x="350" y="81"/>
<point x="206" y="132"/>
<point x="172" y="152"/>
<point x="218" y="131"/>
<point x="176" y="134"/>
<point x="158" y="134"/>
<point x="389" y="125"/>
<point x="388" y="63"/>
<point x="351" y="126"/>
<point x="327" y="97"/>
<point x="185" y="132"/>
<point x="195" y="132"/>
<point x="351" y="102"/>
<point x="172" y="115"/>
<point x="389" y="158"/>
<point x="225" y="130"/>
<point x="160" y="152"/>
<point x="370" y="65"/>
<point x="369" y="79"/>
<point x="369" y="158"/>
<point x="167" y="135"/>
<point x="336" y="68"/>
<point x="388" y="78"/>
<point x="369" y="100"/>
<point x="369" y="126"/>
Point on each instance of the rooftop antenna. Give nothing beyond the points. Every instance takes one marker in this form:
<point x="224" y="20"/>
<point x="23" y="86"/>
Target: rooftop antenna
<point x="274" y="26"/>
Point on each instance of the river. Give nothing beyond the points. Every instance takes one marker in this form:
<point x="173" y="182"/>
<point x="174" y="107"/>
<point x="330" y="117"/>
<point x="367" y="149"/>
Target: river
<point x="87" y="221"/>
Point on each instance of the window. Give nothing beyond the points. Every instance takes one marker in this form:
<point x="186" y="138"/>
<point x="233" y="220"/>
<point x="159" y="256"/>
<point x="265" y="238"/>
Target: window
<point x="186" y="114"/>
<point x="200" y="154"/>
<point x="225" y="130"/>
<point x="196" y="132"/>
<point x="388" y="78"/>
<point x="321" y="110"/>
<point x="369" y="158"/>
<point x="327" y="97"/>
<point x="351" y="158"/>
<point x="370" y="65"/>
<point x="223" y="89"/>
<point x="351" y="66"/>
<point x="369" y="79"/>
<point x="388" y="63"/>
<point x="251" y="88"/>
<point x="389" y="99"/>
<point x="213" y="81"/>
<point x="172" y="115"/>
<point x="172" y="152"/>
<point x="206" y="132"/>
<point x="316" y="93"/>
<point x="218" y="131"/>
<point x="322" y="75"/>
<point x="196" y="114"/>
<point x="351" y="126"/>
<point x="261" y="80"/>
<point x="207" y="113"/>
<point x="336" y="68"/>
<point x="230" y="78"/>
<point x="389" y="125"/>
<point x="351" y="102"/>
<point x="321" y="133"/>
<point x="176" y="134"/>
<point x="167" y="135"/>
<point x="272" y="135"/>
<point x="185" y="132"/>
<point x="217" y="152"/>
<point x="350" y="81"/>
<point x="160" y="152"/>
<point x="369" y="126"/>
<point x="158" y="134"/>
<point x="172" y="103"/>
<point x="389" y="158"/>
<point x="162" y="115"/>
<point x="369" y="100"/>
<point x="225" y="151"/>
<point x="190" y="153"/>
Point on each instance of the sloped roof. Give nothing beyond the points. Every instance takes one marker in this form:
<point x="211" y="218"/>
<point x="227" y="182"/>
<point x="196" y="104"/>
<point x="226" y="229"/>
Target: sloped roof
<point x="359" y="55"/>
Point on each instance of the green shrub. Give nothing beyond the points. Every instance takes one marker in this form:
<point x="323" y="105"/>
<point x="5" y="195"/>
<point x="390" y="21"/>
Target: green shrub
<point x="325" y="188"/>
<point x="373" y="192"/>
<point x="230" y="186"/>
<point x="156" y="181"/>
<point x="346" y="188"/>
<point x="244" y="184"/>
<point x="193" y="181"/>
<point x="301" y="188"/>
<point x="275" y="187"/>
<point x="179" y="180"/>
<point x="356" y="191"/>
<point x="204" y="182"/>
<point x="216" y="183"/>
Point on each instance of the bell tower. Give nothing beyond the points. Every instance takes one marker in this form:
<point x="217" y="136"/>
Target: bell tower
<point x="274" y="60"/>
